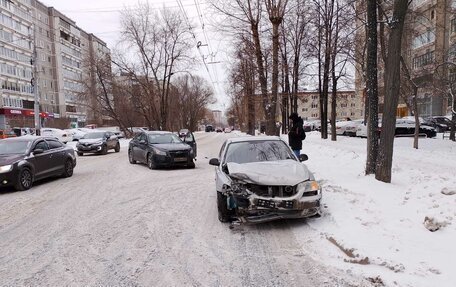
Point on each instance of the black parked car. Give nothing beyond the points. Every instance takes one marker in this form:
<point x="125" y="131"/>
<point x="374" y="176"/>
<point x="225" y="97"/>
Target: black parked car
<point x="407" y="128"/>
<point x="441" y="124"/>
<point x="26" y="159"/>
<point x="160" y="149"/>
<point x="98" y="142"/>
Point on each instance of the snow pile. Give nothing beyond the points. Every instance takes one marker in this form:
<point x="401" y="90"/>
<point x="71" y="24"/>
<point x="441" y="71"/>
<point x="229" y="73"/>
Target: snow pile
<point x="383" y="231"/>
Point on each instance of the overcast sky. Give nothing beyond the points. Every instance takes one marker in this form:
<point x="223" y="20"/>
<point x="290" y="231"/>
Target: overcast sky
<point x="101" y="17"/>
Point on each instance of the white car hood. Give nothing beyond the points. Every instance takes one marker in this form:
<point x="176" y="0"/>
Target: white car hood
<point x="283" y="172"/>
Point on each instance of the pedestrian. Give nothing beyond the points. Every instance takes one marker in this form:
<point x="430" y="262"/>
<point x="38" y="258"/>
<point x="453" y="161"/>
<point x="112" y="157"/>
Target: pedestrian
<point x="296" y="134"/>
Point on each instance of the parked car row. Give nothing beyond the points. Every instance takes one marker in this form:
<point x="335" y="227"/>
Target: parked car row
<point x="404" y="127"/>
<point x="26" y="159"/>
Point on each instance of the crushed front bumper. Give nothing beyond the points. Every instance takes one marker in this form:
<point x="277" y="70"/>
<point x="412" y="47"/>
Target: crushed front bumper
<point x="288" y="209"/>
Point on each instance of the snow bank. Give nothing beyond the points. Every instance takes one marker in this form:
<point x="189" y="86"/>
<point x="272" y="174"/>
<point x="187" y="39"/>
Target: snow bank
<point x="378" y="230"/>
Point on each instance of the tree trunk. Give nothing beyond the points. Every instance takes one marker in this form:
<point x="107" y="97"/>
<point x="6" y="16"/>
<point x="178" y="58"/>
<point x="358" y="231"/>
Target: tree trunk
<point x="417" y="118"/>
<point x="372" y="88"/>
<point x="453" y="119"/>
<point x="392" y="86"/>
<point x="260" y="67"/>
<point x="333" y="101"/>
<point x="271" y="128"/>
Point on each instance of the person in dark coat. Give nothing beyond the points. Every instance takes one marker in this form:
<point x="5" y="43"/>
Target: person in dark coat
<point x="296" y="134"/>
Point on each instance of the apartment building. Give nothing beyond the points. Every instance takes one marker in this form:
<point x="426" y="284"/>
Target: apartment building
<point x="429" y="40"/>
<point x="348" y="104"/>
<point x="16" y="48"/>
<point x="61" y="48"/>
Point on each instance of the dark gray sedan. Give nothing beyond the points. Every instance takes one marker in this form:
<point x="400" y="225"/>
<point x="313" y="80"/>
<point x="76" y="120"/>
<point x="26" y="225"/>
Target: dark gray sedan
<point x="98" y="142"/>
<point x="26" y="159"/>
<point x="160" y="149"/>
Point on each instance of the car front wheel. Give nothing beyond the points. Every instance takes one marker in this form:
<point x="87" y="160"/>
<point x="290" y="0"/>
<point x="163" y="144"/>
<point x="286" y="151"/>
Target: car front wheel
<point x="150" y="161"/>
<point x="25" y="180"/>
<point x="191" y="164"/>
<point x="117" y="148"/>
<point x="104" y="150"/>
<point x="224" y="214"/>
<point x="130" y="157"/>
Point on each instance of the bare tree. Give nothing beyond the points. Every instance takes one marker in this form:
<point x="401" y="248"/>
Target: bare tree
<point x="102" y="93"/>
<point x="159" y="46"/>
<point x="243" y="85"/>
<point x="276" y="11"/>
<point x="445" y="83"/>
<point x="295" y="39"/>
<point x="411" y="88"/>
<point x="392" y="91"/>
<point x="193" y="94"/>
<point x="372" y="87"/>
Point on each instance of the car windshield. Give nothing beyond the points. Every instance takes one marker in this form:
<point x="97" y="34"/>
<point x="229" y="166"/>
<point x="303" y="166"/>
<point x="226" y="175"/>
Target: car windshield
<point x="163" y="138"/>
<point x="14" y="147"/>
<point x="94" y="135"/>
<point x="255" y="151"/>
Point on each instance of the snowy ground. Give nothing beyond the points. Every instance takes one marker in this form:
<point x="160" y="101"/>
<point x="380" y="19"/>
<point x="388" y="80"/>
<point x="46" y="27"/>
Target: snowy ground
<point x="118" y="224"/>
<point x="375" y="229"/>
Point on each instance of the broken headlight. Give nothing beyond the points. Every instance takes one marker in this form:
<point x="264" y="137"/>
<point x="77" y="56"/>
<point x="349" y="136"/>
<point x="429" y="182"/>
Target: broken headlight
<point x="309" y="188"/>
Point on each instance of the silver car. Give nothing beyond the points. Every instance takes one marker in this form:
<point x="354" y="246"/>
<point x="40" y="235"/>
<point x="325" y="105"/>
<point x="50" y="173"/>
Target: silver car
<point x="259" y="179"/>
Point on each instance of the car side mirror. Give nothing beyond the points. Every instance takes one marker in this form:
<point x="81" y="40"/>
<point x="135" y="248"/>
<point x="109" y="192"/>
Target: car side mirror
<point x="214" y="161"/>
<point x="303" y="157"/>
<point x="38" y="151"/>
<point x="113" y="137"/>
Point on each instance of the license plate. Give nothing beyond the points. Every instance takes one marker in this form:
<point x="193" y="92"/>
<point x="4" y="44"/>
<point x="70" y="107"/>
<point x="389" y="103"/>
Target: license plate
<point x="266" y="203"/>
<point x="180" y="159"/>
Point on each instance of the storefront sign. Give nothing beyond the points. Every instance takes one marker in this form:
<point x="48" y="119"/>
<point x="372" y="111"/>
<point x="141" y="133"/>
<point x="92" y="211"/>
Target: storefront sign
<point x="27" y="113"/>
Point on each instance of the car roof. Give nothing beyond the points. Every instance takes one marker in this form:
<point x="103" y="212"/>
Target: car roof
<point x="251" y="138"/>
<point x="29" y="138"/>
<point x="157" y="132"/>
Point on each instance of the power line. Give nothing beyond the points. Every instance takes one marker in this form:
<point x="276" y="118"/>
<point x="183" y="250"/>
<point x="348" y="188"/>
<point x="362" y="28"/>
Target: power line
<point x="120" y="9"/>
<point x="179" y="2"/>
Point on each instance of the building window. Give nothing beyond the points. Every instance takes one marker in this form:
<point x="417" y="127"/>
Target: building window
<point x="453" y="25"/>
<point x="423" y="39"/>
<point x="304" y="109"/>
<point x="423" y="60"/>
<point x="353" y="105"/>
<point x="314" y="106"/>
<point x="432" y="14"/>
<point x="314" y="97"/>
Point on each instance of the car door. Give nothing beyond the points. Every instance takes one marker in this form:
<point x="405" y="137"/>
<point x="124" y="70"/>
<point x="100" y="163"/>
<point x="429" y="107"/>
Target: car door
<point x="142" y="147"/>
<point x="42" y="161"/>
<point x="139" y="147"/>
<point x="190" y="140"/>
<point x="56" y="156"/>
<point x="107" y="136"/>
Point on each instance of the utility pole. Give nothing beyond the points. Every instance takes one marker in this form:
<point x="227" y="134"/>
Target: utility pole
<point x="35" y="85"/>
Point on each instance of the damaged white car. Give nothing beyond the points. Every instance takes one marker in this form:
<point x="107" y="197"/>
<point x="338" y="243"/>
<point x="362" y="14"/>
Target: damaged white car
<point x="259" y="179"/>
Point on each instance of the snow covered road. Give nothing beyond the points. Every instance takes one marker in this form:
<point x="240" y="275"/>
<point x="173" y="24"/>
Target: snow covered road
<point x="118" y="224"/>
